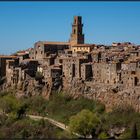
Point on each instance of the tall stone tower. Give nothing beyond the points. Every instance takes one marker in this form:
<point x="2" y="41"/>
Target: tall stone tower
<point x="77" y="36"/>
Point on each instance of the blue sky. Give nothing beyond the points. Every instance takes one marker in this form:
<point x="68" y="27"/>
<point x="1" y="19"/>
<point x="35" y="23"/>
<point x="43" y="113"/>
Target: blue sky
<point x="24" y="23"/>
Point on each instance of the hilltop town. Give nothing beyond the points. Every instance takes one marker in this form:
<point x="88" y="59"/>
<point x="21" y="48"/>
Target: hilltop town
<point x="110" y="74"/>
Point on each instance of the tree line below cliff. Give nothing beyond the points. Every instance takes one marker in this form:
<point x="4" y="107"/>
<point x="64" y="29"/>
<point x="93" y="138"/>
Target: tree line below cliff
<point x="83" y="116"/>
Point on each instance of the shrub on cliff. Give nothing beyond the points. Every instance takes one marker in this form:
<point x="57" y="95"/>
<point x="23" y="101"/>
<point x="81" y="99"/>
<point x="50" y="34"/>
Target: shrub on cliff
<point x="84" y="123"/>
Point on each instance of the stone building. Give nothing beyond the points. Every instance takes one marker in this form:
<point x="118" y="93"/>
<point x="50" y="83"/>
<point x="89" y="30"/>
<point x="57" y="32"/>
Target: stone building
<point x="130" y="75"/>
<point x="31" y="53"/>
<point x="129" y="65"/>
<point x="52" y="75"/>
<point x="50" y="60"/>
<point x="21" y="55"/>
<point x="110" y="75"/>
<point x="96" y="71"/>
<point x="13" y="73"/>
<point x="82" y="48"/>
<point x="71" y="66"/>
<point x="16" y="73"/>
<point x="43" y="49"/>
<point x="16" y="76"/>
<point x="96" y="56"/>
<point x="128" y="79"/>
<point x="56" y="75"/>
<point x="86" y="71"/>
<point x="9" y="70"/>
<point x="106" y="73"/>
<point x="3" y="59"/>
<point x="29" y="66"/>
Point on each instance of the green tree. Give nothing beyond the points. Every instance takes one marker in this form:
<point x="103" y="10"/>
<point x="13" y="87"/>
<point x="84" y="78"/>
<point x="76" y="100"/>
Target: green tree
<point x="84" y="123"/>
<point x="9" y="103"/>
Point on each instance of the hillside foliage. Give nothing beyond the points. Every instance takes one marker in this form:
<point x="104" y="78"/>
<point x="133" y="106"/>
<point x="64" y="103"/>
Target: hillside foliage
<point x="83" y="116"/>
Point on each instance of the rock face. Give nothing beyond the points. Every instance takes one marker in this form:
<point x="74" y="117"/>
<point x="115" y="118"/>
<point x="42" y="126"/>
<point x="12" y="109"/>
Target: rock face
<point x="31" y="87"/>
<point x="108" y="95"/>
<point x="116" y="132"/>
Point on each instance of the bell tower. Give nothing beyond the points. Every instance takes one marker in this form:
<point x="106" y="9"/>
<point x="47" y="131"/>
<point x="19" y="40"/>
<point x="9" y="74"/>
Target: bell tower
<point x="77" y="36"/>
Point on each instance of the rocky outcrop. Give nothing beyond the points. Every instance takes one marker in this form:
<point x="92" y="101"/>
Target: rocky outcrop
<point x="115" y="132"/>
<point x="109" y="95"/>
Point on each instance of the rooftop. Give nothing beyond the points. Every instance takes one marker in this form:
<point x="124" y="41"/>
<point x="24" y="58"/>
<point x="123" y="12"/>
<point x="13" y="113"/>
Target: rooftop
<point x="53" y="43"/>
<point x="83" y="45"/>
<point x="8" y="56"/>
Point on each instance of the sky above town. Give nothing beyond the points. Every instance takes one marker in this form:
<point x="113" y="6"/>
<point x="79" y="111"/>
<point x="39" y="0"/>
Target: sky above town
<point x="24" y="23"/>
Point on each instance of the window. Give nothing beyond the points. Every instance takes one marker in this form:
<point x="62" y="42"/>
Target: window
<point x="74" y="31"/>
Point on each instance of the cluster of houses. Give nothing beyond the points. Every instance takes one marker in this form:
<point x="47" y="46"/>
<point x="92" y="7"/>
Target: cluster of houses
<point x="60" y="63"/>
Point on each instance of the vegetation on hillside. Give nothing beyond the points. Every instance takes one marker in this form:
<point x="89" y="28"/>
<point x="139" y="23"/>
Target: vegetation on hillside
<point x="83" y="116"/>
<point x="60" y="106"/>
<point x="10" y="127"/>
<point x="84" y="123"/>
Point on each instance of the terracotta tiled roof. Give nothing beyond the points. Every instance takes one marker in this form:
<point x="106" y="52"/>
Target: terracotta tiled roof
<point x="21" y="54"/>
<point x="83" y="45"/>
<point x="10" y="60"/>
<point x="53" y="43"/>
<point x="21" y="51"/>
<point x="8" y="56"/>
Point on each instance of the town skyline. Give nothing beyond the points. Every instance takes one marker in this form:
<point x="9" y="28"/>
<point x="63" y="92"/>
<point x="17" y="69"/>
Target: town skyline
<point x="108" y="76"/>
<point x="25" y="23"/>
